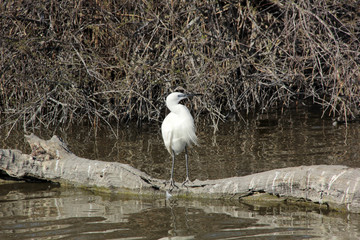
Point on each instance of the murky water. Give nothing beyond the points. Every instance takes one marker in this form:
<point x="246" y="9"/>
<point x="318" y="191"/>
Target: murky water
<point x="300" y="137"/>
<point x="41" y="211"/>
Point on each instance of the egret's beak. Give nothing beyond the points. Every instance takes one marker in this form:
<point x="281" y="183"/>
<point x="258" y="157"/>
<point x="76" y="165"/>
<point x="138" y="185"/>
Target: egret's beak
<point x="189" y="95"/>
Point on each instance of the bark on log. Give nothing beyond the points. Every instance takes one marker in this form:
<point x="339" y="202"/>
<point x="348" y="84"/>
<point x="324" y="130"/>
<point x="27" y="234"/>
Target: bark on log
<point x="336" y="187"/>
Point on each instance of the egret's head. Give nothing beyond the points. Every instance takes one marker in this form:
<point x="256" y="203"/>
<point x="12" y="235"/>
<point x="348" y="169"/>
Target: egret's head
<point x="175" y="97"/>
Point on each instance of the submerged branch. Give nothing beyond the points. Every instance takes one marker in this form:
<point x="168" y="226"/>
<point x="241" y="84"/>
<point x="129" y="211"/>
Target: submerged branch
<point x="335" y="187"/>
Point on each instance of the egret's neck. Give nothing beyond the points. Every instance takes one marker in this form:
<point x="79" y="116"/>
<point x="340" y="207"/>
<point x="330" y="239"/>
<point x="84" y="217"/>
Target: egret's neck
<point x="177" y="108"/>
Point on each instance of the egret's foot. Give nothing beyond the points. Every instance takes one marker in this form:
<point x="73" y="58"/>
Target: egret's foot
<point x="168" y="195"/>
<point x="187" y="180"/>
<point x="172" y="185"/>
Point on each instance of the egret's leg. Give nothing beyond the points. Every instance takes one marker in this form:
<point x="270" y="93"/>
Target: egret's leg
<point x="187" y="167"/>
<point x="172" y="182"/>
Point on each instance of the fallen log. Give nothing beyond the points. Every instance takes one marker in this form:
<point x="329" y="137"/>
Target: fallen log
<point x="335" y="187"/>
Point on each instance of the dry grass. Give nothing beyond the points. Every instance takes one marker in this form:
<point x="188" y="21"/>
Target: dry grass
<point x="65" y="61"/>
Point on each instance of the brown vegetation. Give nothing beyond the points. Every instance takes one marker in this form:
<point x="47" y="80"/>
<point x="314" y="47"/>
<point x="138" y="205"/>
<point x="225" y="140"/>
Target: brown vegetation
<point x="64" y="61"/>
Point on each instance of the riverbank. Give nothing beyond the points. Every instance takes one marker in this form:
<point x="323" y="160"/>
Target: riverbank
<point x="63" y="62"/>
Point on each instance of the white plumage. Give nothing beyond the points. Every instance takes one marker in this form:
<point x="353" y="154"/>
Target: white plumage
<point x="178" y="130"/>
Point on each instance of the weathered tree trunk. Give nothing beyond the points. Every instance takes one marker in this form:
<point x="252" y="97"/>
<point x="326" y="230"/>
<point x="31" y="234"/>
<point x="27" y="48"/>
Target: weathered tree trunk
<point x="333" y="186"/>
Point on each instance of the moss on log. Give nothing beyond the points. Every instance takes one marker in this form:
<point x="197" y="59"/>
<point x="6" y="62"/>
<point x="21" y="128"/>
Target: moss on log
<point x="335" y="187"/>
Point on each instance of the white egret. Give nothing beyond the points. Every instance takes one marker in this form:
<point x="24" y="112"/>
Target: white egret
<point x="178" y="130"/>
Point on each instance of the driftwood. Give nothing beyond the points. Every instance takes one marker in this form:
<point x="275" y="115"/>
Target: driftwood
<point x="335" y="187"/>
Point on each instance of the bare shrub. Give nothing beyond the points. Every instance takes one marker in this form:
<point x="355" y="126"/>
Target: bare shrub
<point x="65" y="61"/>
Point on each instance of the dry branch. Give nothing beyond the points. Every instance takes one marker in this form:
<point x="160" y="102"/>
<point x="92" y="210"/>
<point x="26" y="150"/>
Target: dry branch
<point x="63" y="61"/>
<point x="335" y="187"/>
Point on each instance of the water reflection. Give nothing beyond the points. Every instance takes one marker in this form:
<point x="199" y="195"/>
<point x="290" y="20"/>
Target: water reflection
<point x="297" y="137"/>
<point x="43" y="211"/>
